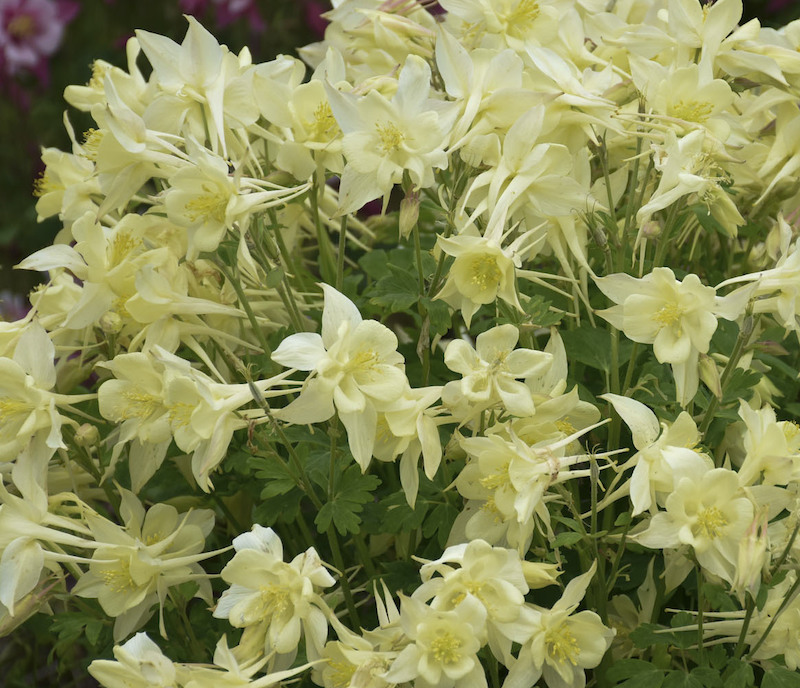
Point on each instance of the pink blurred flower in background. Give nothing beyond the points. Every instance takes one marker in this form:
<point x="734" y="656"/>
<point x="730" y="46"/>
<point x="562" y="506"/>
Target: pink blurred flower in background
<point x="31" y="31"/>
<point x="227" y="11"/>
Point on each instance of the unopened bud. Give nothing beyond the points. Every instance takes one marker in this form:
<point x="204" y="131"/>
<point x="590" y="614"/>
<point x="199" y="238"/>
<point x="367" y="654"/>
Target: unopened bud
<point x="409" y="212"/>
<point x="753" y="558"/>
<point x="709" y="374"/>
<point x="110" y="322"/>
<point x="87" y="435"/>
<point x="650" y="229"/>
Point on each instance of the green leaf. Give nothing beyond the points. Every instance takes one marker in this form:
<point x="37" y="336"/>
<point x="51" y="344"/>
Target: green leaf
<point x="646" y="636"/>
<point x="374" y="263"/>
<point x="273" y="474"/>
<point x="439" y="522"/>
<point x="738" y="674"/>
<point x="274" y="278"/>
<point x="780" y="677"/>
<point x="439" y="314"/>
<point x="680" y="679"/>
<point x="626" y="668"/>
<point x="399" y="517"/>
<point x="396" y="291"/>
<point x="738" y="386"/>
<point x="707" y="676"/>
<point x="537" y="310"/>
<point x="355" y="490"/>
<point x="588" y="345"/>
<point x="567" y="539"/>
<point x="635" y="673"/>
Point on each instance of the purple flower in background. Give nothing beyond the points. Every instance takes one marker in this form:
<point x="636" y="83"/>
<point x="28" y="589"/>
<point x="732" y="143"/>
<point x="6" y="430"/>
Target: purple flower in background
<point x="31" y="31"/>
<point x="227" y="11"/>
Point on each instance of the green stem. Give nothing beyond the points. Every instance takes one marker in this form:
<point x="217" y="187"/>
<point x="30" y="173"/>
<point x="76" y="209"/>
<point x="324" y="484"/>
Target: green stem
<point x="251" y="316"/>
<point x="341" y="252"/>
<point x="700" y="604"/>
<point x="327" y="266"/>
<point x="333" y="539"/>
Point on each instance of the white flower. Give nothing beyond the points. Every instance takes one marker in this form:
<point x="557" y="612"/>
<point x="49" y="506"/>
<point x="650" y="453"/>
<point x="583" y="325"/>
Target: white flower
<point x="356" y="368"/>
<point x="561" y="643"/>
<point x="708" y="510"/>
<point x="444" y="646"/>
<point x="277" y="598"/>
<point x="139" y="664"/>
<point x="385" y="138"/>
<point x="492" y="369"/>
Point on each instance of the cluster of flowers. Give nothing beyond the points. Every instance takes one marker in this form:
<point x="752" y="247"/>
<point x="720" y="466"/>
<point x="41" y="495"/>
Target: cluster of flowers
<point x="533" y="144"/>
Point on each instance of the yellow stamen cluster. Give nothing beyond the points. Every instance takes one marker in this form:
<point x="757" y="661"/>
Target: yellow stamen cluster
<point x="668" y="315"/>
<point x="122" y="244"/>
<point x="142" y="404"/>
<point x="119" y="579"/>
<point x="22" y="26"/>
<point x="711" y="521"/>
<point x="91" y="142"/>
<point x="341" y="674"/>
<point x="44" y="184"/>
<point x="391" y="138"/>
<point x="210" y="206"/>
<point x="324" y="126"/>
<point x="523" y="15"/>
<point x="445" y="648"/>
<point x="484" y="272"/>
<point x="692" y="110"/>
<point x="561" y="644"/>
<point x="274" y="600"/>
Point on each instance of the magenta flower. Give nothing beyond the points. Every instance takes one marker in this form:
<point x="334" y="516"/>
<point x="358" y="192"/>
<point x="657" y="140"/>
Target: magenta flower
<point x="31" y="31"/>
<point x="227" y="11"/>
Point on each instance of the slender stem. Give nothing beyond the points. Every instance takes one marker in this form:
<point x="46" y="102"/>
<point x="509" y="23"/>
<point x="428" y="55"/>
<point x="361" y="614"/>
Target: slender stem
<point x="326" y="266"/>
<point x="700" y="604"/>
<point x="363" y="552"/>
<point x="341" y="253"/>
<point x="336" y="550"/>
<point x="748" y="615"/>
<point x="251" y="316"/>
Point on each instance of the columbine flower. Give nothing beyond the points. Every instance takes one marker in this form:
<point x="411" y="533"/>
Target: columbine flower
<point x="561" y="644"/>
<point x="677" y="318"/>
<point x="655" y="444"/>
<point x="357" y="368"/>
<point x="133" y="567"/>
<point x="492" y="369"/>
<point x="383" y="138"/>
<point x="482" y="272"/>
<point x="31" y="31"/>
<point x="139" y="664"/>
<point x="707" y="510"/>
<point x="444" y="648"/>
<point x="273" y="598"/>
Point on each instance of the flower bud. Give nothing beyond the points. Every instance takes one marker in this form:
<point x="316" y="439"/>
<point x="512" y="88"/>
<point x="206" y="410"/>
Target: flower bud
<point x="110" y="322"/>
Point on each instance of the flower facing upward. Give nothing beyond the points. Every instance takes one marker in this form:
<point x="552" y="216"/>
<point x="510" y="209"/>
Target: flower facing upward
<point x="357" y="369"/>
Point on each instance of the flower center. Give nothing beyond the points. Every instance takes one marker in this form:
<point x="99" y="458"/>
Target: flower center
<point x="523" y="15"/>
<point x="391" y="138"/>
<point x="22" y="26"/>
<point x="484" y="272"/>
<point x="142" y="405"/>
<point x="692" y="110"/>
<point x="711" y="521"/>
<point x="122" y="244"/>
<point x="13" y="407"/>
<point x="45" y="185"/>
<point x="91" y="142"/>
<point x="210" y="206"/>
<point x="119" y="579"/>
<point x="561" y="644"/>
<point x="274" y="600"/>
<point x="180" y="414"/>
<point x="668" y="315"/>
<point x="445" y="648"/>
<point x="324" y="126"/>
<point x="341" y="674"/>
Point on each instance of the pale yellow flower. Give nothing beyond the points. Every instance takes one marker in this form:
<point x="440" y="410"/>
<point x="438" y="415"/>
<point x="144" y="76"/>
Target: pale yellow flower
<point x="279" y="601"/>
<point x="357" y="372"/>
